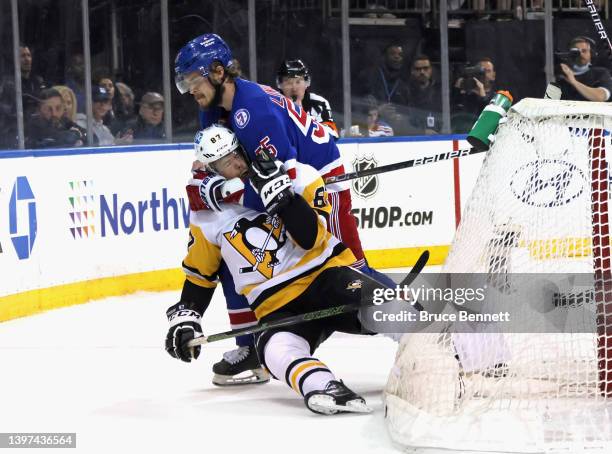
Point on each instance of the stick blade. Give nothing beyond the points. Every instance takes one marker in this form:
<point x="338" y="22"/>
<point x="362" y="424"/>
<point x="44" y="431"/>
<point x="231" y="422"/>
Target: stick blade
<point x="416" y="269"/>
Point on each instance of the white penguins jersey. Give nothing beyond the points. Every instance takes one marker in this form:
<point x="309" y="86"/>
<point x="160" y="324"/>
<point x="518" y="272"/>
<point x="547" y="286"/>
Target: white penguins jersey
<point x="268" y="267"/>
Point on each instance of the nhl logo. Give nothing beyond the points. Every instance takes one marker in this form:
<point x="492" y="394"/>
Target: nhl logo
<point x="365" y="187"/>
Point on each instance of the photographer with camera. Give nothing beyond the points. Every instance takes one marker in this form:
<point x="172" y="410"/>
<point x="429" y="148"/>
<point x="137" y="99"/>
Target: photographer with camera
<point x="576" y="78"/>
<point x="472" y="91"/>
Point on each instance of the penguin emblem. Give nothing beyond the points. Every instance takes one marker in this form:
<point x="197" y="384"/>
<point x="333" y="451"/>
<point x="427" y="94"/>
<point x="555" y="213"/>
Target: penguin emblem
<point x="258" y="241"/>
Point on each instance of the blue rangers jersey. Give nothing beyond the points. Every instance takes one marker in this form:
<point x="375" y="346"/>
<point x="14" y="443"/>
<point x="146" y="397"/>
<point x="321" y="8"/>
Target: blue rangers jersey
<point x="262" y="118"/>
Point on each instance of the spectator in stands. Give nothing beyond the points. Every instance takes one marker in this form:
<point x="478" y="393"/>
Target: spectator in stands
<point x="149" y="127"/>
<point x="369" y="122"/>
<point x="471" y="94"/>
<point x="76" y="79"/>
<point x="580" y="81"/>
<point x="49" y="127"/>
<point x="293" y="80"/>
<point x="117" y="117"/>
<point x="425" y="97"/>
<point x="375" y="126"/>
<point x="385" y="82"/>
<point x="102" y="100"/>
<point x="31" y="84"/>
<point x="387" y="85"/>
<point x="69" y="100"/>
<point x="128" y="98"/>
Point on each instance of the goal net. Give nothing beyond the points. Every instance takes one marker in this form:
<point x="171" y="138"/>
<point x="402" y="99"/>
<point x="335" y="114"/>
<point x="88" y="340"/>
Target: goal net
<point x="540" y="205"/>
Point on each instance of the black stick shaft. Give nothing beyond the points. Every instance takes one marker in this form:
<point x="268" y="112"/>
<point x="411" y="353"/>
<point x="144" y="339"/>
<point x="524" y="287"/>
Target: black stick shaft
<point x="403" y="165"/>
<point x="316" y="315"/>
<point x="599" y="27"/>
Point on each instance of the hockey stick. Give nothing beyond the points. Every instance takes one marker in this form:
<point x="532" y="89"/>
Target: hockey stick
<point x="601" y="31"/>
<point x="403" y="165"/>
<point x="309" y="316"/>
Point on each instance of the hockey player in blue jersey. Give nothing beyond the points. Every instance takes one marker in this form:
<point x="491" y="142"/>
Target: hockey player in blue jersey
<point x="262" y="119"/>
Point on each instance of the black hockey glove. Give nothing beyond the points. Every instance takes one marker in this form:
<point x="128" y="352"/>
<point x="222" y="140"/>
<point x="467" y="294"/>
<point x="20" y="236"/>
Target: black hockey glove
<point x="270" y="180"/>
<point x="184" y="326"/>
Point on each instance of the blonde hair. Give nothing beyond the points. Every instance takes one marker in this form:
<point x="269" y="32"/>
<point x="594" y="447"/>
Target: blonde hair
<point x="64" y="90"/>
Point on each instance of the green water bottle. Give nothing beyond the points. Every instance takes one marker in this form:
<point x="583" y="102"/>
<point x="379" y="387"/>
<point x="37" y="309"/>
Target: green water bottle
<point x="484" y="129"/>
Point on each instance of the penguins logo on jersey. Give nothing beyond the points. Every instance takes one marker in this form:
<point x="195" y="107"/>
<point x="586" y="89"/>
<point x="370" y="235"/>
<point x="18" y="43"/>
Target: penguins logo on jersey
<point x="258" y="241"/>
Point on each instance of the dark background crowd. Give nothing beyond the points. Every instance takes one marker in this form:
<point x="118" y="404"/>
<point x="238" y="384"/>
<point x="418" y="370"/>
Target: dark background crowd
<point x="54" y="113"/>
<point x="394" y="60"/>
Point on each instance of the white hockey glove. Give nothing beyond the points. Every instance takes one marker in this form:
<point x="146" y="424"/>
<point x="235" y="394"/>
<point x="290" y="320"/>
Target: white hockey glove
<point x="270" y="180"/>
<point x="184" y="326"/>
<point x="206" y="191"/>
<point x="210" y="191"/>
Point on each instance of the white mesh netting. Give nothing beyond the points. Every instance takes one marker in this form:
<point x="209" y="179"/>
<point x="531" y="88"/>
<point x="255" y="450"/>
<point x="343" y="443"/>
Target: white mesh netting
<point x="540" y="205"/>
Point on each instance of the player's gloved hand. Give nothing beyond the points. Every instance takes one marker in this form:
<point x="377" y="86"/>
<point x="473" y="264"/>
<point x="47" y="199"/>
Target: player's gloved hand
<point x="270" y="180"/>
<point x="210" y="191"/>
<point x="206" y="191"/>
<point x="184" y="326"/>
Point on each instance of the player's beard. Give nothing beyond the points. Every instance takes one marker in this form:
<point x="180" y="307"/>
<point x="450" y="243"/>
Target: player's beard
<point x="219" y="89"/>
<point x="206" y="102"/>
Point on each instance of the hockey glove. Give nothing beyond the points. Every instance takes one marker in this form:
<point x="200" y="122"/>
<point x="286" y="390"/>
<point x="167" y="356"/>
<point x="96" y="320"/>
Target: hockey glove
<point x="184" y="326"/>
<point x="210" y="191"/>
<point x="270" y="180"/>
<point x="206" y="191"/>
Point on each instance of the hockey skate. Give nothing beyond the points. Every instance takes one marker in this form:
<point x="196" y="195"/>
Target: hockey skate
<point x="239" y="367"/>
<point x="335" y="398"/>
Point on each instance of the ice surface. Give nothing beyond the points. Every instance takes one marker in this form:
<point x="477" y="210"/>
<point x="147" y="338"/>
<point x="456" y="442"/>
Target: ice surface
<point x="100" y="370"/>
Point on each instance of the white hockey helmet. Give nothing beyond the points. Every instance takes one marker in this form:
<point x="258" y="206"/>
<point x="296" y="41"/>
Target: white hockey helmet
<point x="213" y="143"/>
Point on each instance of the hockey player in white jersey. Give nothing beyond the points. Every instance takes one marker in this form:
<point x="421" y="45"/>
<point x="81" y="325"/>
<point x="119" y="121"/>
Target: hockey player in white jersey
<point x="282" y="259"/>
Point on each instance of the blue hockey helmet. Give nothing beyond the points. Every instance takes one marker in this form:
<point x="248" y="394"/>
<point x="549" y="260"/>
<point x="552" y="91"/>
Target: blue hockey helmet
<point x="198" y="55"/>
